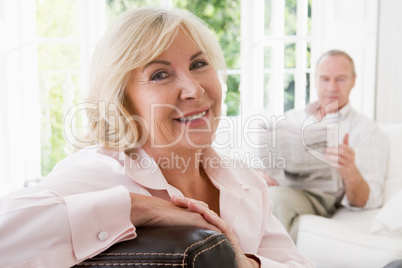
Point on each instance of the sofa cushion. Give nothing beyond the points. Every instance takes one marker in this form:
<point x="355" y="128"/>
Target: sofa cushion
<point x="393" y="182"/>
<point x="334" y="243"/>
<point x="388" y="221"/>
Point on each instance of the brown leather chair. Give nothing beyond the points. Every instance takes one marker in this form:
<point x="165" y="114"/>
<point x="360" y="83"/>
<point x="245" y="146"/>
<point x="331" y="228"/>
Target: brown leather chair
<point x="168" y="247"/>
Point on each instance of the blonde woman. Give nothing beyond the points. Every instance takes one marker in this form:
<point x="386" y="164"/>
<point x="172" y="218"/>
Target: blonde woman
<point x="157" y="99"/>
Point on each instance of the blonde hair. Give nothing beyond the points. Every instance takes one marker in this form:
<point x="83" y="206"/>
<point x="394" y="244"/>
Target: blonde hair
<point x="135" y="39"/>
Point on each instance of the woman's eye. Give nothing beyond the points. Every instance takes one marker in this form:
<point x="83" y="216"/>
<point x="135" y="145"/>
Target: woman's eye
<point x="198" y="64"/>
<point x="159" y="76"/>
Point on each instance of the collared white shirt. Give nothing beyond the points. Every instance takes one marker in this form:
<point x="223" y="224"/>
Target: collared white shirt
<point x="83" y="207"/>
<point x="365" y="138"/>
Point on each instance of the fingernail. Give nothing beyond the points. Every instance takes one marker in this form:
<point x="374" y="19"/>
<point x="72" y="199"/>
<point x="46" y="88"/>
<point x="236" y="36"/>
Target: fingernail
<point x="177" y="197"/>
<point x="212" y="213"/>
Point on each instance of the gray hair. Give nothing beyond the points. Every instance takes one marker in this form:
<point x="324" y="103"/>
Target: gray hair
<point x="336" y="52"/>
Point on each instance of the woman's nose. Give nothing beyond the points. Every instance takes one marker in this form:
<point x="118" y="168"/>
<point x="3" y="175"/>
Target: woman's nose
<point x="191" y="88"/>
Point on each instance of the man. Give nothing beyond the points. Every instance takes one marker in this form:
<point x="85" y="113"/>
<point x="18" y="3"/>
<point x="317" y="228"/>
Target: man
<point x="360" y="157"/>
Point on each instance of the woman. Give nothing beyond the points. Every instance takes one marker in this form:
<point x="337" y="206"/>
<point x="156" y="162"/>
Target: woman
<point x="158" y="98"/>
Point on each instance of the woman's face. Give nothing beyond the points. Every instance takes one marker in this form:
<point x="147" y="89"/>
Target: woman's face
<point x="178" y="94"/>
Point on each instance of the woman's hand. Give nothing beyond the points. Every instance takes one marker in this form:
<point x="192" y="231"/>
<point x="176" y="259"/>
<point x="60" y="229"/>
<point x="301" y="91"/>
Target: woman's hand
<point x="202" y="208"/>
<point x="149" y="211"/>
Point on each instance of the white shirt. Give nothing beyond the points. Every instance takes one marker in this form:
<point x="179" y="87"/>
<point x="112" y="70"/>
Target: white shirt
<point x="83" y="207"/>
<point x="365" y="138"/>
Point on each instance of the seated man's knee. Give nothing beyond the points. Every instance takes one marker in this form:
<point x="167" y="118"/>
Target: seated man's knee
<point x="284" y="204"/>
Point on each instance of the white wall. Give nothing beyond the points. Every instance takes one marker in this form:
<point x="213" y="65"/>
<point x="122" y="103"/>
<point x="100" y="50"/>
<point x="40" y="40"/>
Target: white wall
<point x="350" y="26"/>
<point x="389" y="65"/>
<point x="371" y="32"/>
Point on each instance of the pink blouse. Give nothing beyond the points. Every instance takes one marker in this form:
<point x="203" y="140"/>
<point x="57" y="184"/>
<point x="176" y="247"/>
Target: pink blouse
<point x="83" y="207"/>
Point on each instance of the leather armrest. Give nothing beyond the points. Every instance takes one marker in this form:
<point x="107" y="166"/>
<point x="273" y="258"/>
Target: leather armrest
<point x="169" y="246"/>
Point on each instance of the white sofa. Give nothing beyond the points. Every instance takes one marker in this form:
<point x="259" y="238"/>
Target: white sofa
<point x="369" y="238"/>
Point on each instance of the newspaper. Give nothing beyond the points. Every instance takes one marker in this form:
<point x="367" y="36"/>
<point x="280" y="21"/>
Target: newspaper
<point x="299" y="151"/>
<point x="291" y="152"/>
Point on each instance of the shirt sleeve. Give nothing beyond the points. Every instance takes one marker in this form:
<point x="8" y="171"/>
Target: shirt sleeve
<point x="371" y="156"/>
<point x="99" y="220"/>
<point x="44" y="229"/>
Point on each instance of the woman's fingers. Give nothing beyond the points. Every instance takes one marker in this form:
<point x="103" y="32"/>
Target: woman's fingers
<point x="183" y="202"/>
<point x="194" y="219"/>
<point x="200" y="208"/>
<point x="152" y="211"/>
<point x="212" y="218"/>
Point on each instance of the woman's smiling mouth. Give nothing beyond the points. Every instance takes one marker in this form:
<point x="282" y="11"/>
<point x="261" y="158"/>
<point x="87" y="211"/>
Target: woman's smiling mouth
<point x="192" y="117"/>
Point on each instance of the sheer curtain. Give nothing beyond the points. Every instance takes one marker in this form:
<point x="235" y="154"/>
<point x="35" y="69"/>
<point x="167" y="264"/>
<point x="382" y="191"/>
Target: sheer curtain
<point x="19" y="101"/>
<point x="20" y="110"/>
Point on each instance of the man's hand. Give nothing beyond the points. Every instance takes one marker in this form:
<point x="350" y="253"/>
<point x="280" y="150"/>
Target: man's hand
<point x="346" y="159"/>
<point x="357" y="189"/>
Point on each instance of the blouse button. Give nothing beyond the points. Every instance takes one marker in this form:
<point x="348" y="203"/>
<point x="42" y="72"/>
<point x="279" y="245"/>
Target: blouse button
<point x="102" y="235"/>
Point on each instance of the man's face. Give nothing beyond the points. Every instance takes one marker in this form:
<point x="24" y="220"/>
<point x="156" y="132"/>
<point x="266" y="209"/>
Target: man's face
<point x="334" y="80"/>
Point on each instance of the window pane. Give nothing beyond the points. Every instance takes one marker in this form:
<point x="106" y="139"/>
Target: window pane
<point x="224" y="18"/>
<point x="289" y="101"/>
<point x="59" y="73"/>
<point x="58" y="57"/>
<point x="57" y="94"/>
<point x="232" y="100"/>
<point x="267" y="80"/>
<point x="290" y="55"/>
<point x="115" y="7"/>
<point x="307" y="88"/>
<point x="290" y="17"/>
<point x="58" y="18"/>
<point x="309" y="18"/>
<point x="308" y="55"/>
<point x="268" y="17"/>
<point x="267" y="58"/>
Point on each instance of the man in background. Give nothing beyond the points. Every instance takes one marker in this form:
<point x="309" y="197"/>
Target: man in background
<point x="360" y="158"/>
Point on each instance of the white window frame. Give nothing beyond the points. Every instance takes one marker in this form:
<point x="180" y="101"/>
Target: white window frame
<point x="254" y="40"/>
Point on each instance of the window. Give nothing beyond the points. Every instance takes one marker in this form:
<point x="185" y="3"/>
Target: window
<point x="52" y="42"/>
<point x="276" y="54"/>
